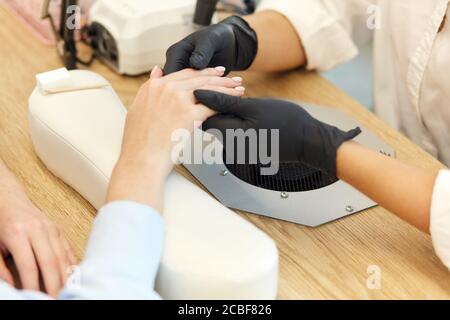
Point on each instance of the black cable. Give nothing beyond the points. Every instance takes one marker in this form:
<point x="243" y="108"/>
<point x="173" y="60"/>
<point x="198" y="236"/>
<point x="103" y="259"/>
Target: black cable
<point x="204" y="12"/>
<point x="85" y="35"/>
<point x="69" y="49"/>
<point x="65" y="37"/>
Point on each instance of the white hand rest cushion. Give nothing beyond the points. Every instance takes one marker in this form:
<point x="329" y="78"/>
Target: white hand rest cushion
<point x="210" y="252"/>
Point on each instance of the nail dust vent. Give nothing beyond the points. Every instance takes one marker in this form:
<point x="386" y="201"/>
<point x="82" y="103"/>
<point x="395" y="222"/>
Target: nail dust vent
<point x="297" y="193"/>
<point x="290" y="177"/>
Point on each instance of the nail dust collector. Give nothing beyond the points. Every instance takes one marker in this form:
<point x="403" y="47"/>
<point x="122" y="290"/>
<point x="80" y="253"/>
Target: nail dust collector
<point x="298" y="193"/>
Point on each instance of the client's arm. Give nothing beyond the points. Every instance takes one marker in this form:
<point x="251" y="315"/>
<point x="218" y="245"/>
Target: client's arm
<point x="126" y="241"/>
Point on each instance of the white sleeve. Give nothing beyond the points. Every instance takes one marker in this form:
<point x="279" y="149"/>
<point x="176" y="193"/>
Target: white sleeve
<point x="330" y="30"/>
<point x="9" y="293"/>
<point x="122" y="256"/>
<point x="440" y="217"/>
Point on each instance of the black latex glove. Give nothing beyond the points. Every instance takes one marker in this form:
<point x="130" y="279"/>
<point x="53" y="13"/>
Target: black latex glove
<point x="302" y="138"/>
<point x="231" y="43"/>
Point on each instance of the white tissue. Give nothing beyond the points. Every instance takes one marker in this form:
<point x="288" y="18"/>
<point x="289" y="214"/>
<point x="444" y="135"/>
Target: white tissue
<point x="59" y="78"/>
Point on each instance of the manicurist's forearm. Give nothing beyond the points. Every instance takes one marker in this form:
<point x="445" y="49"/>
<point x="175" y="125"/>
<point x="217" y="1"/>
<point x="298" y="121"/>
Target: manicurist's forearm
<point x="279" y="46"/>
<point x="402" y="189"/>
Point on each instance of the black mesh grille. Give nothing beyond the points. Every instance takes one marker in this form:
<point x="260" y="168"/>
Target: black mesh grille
<point x="291" y="177"/>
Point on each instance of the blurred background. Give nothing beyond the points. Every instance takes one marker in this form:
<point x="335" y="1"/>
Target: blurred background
<point x="354" y="77"/>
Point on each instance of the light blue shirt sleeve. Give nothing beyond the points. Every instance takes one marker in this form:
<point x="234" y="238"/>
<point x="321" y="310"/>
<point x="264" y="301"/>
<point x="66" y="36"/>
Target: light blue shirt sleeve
<point x="121" y="260"/>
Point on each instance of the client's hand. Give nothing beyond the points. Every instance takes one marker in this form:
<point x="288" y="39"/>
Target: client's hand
<point x="302" y="137"/>
<point x="162" y="105"/>
<point x="36" y="244"/>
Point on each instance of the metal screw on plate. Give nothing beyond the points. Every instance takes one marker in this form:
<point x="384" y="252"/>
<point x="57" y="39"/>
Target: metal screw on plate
<point x="349" y="209"/>
<point x="224" y="173"/>
<point x="284" y="195"/>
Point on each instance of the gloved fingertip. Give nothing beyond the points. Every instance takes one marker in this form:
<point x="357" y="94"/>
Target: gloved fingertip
<point x="202" y="95"/>
<point x="218" y="101"/>
<point x="358" y="131"/>
<point x="354" y="133"/>
<point x="210" y="124"/>
<point x="206" y="126"/>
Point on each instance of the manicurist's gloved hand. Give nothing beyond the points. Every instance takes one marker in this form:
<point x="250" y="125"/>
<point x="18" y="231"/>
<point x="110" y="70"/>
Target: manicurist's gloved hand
<point x="302" y="138"/>
<point x="231" y="43"/>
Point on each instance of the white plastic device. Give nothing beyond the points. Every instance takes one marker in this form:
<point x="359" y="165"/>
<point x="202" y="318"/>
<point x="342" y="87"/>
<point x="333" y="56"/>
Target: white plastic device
<point x="132" y="36"/>
<point x="210" y="251"/>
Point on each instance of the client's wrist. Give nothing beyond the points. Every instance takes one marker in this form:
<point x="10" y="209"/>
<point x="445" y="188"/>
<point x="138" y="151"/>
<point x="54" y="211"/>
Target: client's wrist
<point x="139" y="180"/>
<point x="11" y="195"/>
<point x="155" y="165"/>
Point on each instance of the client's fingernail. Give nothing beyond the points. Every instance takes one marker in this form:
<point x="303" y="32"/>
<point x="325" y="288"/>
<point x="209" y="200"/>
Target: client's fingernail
<point x="240" y="88"/>
<point x="221" y="69"/>
<point x="237" y="79"/>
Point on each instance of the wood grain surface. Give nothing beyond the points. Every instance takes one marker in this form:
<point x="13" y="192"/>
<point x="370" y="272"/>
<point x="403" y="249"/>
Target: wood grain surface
<point x="321" y="263"/>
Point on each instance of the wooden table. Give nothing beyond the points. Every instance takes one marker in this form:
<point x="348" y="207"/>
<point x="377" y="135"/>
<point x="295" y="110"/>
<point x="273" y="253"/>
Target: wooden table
<point x="322" y="263"/>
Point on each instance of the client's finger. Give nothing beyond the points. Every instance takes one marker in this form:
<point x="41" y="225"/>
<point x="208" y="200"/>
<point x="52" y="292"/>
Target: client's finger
<point x="218" y="81"/>
<point x="48" y="262"/>
<point x="187" y="74"/>
<point x="5" y="274"/>
<point x="60" y="253"/>
<point x="200" y="82"/>
<point x="25" y="261"/>
<point x="69" y="251"/>
<point x="156" y="73"/>
<point x="236" y="92"/>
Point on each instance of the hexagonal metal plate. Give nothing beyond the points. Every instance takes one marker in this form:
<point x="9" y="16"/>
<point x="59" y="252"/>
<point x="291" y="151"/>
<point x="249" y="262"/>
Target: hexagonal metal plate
<point x="310" y="208"/>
